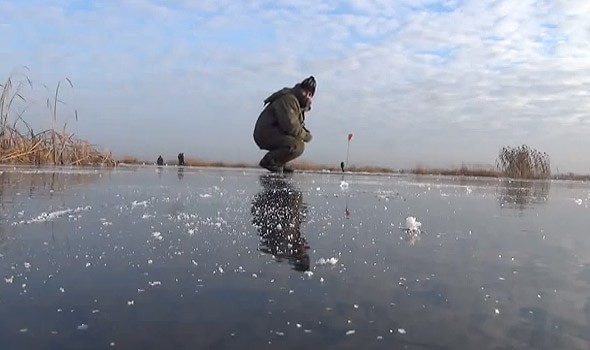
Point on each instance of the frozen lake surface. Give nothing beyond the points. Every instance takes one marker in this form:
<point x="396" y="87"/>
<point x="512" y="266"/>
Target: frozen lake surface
<point x="172" y="258"/>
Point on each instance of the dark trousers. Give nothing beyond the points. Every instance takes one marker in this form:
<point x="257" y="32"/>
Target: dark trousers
<point x="281" y="148"/>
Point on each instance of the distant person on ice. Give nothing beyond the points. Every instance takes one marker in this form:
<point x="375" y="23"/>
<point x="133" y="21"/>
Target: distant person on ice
<point x="280" y="128"/>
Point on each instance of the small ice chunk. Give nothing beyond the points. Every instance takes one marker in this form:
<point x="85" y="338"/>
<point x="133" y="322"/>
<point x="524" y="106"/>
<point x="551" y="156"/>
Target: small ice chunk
<point x="308" y="273"/>
<point x="82" y="327"/>
<point x="280" y="334"/>
<point x="497" y="311"/>
<point x="220" y="269"/>
<point x="343" y="185"/>
<point x="155" y="283"/>
<point x="61" y="289"/>
<point x="412" y="225"/>
<point x="88" y="264"/>
<point x="27" y="265"/>
<point x="23" y="330"/>
<point x="136" y="204"/>
<point x="157" y="235"/>
<point x="329" y="261"/>
<point x="112" y="343"/>
<point x="579" y="201"/>
<point x="130" y="302"/>
<point x="95" y="311"/>
<point x="9" y="279"/>
<point x="254" y="275"/>
<point x="298" y="325"/>
<point x="401" y="331"/>
<point x="150" y="261"/>
<point x="350" y="332"/>
<point x="279" y="227"/>
<point x="356" y="306"/>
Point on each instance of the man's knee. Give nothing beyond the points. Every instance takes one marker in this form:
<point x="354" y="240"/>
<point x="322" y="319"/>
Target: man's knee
<point x="298" y="147"/>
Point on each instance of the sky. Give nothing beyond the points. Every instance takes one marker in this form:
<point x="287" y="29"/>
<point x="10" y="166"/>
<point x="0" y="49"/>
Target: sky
<point x="417" y="82"/>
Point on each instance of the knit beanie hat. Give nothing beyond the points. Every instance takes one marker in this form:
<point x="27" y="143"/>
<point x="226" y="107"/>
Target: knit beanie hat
<point x="309" y="84"/>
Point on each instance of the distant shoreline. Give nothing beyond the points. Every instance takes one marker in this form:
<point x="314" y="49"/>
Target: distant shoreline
<point x="308" y="167"/>
<point x="304" y="166"/>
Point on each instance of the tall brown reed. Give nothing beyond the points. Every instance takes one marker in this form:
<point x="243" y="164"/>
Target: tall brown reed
<point x="20" y="144"/>
<point x="523" y="162"/>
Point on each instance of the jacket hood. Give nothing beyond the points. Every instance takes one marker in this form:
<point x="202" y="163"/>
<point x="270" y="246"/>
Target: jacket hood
<point x="278" y="94"/>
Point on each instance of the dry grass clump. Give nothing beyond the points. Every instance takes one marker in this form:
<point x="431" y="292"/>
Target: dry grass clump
<point x="461" y="171"/>
<point x="572" y="177"/>
<point x="196" y="162"/>
<point x="524" y="162"/>
<point x="19" y="144"/>
<point x="309" y="166"/>
<point x="369" y="169"/>
<point x="126" y="159"/>
<point x="216" y="164"/>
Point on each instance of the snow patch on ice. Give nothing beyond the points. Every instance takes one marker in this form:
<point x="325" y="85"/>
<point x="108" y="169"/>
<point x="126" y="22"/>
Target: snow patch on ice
<point x="329" y="261"/>
<point x="44" y="216"/>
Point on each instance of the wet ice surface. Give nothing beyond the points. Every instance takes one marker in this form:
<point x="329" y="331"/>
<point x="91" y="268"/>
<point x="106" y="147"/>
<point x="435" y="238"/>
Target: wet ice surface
<point x="149" y="258"/>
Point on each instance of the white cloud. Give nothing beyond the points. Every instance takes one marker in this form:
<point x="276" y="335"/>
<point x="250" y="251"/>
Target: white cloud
<point x="416" y="81"/>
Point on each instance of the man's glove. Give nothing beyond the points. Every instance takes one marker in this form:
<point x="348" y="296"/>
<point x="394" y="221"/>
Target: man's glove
<point x="307" y="136"/>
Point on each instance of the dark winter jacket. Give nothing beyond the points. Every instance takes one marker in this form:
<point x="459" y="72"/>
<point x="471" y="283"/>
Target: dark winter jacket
<point x="283" y="115"/>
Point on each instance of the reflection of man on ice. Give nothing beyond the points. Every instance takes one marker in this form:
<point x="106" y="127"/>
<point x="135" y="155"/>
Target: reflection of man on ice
<point x="280" y="128"/>
<point x="278" y="212"/>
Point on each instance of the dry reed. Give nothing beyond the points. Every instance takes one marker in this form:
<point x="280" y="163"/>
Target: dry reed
<point x="523" y="162"/>
<point x="461" y="171"/>
<point x="19" y="144"/>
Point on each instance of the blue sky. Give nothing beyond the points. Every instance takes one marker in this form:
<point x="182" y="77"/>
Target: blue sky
<point x="432" y="83"/>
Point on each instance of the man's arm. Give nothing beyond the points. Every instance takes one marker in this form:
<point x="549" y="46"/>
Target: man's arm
<point x="287" y="111"/>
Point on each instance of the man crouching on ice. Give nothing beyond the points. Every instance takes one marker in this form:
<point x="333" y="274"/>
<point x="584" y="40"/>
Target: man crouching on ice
<point x="280" y="128"/>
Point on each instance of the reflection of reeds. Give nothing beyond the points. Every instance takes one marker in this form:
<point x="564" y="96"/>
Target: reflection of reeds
<point x="35" y="184"/>
<point x="524" y="194"/>
<point x="52" y="146"/>
<point x="41" y="183"/>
